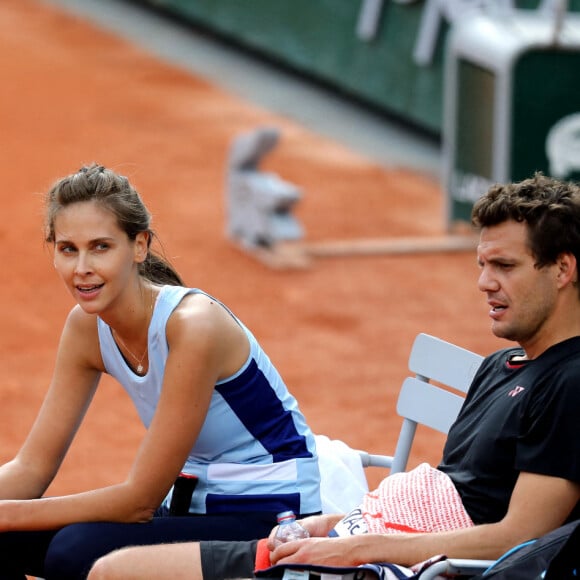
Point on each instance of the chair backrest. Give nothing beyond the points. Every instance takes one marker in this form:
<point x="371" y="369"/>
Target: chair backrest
<point x="432" y="397"/>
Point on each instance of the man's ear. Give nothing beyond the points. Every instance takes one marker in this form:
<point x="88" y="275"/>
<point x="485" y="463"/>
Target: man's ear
<point x="567" y="269"/>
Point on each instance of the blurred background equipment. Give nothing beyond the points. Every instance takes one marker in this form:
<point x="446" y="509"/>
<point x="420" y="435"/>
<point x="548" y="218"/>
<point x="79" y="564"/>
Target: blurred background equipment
<point x="259" y="204"/>
<point x="512" y="101"/>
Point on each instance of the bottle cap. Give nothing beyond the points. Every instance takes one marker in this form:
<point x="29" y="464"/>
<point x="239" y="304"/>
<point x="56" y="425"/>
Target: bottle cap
<point x="285" y="515"/>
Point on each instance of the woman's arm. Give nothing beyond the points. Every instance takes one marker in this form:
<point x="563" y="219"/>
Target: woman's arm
<point x="539" y="504"/>
<point x="71" y="390"/>
<point x="205" y="344"/>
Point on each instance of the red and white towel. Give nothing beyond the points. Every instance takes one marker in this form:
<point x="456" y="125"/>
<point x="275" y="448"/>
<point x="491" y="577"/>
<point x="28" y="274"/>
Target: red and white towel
<point x="421" y="500"/>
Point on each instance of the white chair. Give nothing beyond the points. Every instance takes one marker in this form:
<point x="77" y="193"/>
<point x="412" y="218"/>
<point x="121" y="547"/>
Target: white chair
<point x="432" y="397"/>
<point x="442" y="374"/>
<point x="422" y="401"/>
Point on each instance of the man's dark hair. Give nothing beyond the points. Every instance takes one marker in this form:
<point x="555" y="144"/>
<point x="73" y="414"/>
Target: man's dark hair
<point x="550" y="208"/>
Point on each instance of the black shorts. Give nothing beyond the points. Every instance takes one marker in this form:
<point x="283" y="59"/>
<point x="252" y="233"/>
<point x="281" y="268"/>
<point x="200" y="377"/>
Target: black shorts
<point x="221" y="560"/>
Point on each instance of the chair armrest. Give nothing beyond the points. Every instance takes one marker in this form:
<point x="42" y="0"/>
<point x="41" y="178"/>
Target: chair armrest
<point x="372" y="460"/>
<point x="454" y="567"/>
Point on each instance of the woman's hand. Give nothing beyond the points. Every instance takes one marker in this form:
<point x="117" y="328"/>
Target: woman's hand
<point x="316" y="526"/>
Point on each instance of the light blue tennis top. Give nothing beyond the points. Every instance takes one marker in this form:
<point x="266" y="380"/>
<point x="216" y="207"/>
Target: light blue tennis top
<point x="255" y="451"/>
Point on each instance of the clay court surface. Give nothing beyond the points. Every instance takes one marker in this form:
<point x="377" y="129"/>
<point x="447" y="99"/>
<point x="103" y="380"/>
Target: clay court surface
<point x="339" y="331"/>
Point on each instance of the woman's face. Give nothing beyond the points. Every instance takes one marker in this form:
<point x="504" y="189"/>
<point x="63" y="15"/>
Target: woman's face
<point x="94" y="256"/>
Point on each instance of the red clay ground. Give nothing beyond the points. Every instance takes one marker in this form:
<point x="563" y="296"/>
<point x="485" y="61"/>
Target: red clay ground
<point x="340" y="331"/>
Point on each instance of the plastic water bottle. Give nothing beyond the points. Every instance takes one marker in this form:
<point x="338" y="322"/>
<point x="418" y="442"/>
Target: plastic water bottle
<point x="289" y="529"/>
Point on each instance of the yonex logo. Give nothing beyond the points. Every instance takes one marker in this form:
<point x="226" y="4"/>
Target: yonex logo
<point x="515" y="391"/>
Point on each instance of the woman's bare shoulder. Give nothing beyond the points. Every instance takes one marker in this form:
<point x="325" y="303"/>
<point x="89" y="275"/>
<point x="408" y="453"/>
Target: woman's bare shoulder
<point x="201" y="316"/>
<point x="78" y="319"/>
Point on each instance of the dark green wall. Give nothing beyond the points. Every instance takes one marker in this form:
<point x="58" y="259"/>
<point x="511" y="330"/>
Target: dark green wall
<point x="318" y="37"/>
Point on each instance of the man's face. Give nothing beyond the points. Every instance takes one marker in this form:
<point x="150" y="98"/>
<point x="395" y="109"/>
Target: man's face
<point x="521" y="297"/>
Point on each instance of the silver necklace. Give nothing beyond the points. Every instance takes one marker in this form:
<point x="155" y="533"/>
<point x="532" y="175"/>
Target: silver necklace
<point x="139" y="360"/>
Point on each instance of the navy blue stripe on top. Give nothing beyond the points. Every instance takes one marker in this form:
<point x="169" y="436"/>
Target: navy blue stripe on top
<point x="263" y="415"/>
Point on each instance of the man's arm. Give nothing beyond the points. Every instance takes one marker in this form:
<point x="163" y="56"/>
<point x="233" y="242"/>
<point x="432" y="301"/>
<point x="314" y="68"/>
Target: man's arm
<point x="539" y="504"/>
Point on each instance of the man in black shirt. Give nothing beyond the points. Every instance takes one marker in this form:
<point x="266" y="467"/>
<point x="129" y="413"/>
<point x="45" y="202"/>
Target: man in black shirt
<point x="513" y="454"/>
